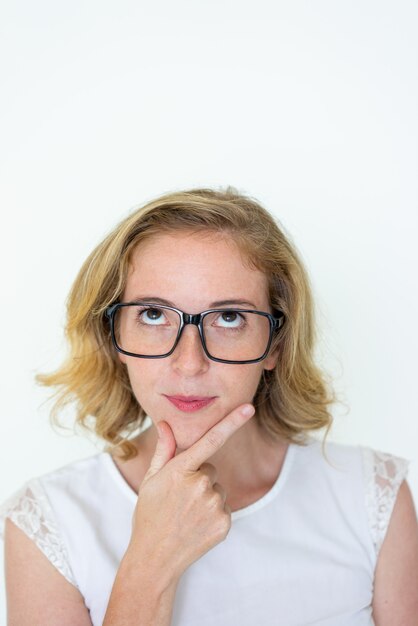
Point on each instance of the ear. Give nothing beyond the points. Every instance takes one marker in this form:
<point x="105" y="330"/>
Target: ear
<point x="122" y="358"/>
<point x="270" y="361"/>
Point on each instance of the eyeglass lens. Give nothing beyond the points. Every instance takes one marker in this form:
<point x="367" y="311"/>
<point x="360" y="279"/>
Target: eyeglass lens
<point x="229" y="335"/>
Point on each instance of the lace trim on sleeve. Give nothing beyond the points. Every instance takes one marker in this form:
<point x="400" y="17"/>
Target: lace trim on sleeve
<point x="384" y="474"/>
<point x="30" y="510"/>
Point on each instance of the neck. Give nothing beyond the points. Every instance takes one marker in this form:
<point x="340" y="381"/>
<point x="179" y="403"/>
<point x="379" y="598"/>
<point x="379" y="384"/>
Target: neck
<point x="247" y="463"/>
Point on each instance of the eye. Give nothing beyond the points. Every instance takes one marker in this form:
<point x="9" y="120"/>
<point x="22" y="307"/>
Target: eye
<point x="230" y="319"/>
<point x="151" y="317"/>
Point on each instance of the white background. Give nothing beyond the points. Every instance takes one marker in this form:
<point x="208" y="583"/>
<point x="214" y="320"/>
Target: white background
<point x="310" y="107"/>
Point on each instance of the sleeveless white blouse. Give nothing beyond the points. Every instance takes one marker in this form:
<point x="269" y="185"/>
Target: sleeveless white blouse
<point x="305" y="553"/>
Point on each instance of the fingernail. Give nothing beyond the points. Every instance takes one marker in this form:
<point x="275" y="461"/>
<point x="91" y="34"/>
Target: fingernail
<point x="247" y="410"/>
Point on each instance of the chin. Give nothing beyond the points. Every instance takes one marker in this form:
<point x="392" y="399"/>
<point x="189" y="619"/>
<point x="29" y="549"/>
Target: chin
<point x="186" y="438"/>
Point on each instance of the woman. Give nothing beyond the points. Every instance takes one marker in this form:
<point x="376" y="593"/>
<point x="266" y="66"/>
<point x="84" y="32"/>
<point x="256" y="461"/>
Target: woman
<point x="197" y="312"/>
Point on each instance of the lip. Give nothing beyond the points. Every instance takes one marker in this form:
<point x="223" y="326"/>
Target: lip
<point x="189" y="404"/>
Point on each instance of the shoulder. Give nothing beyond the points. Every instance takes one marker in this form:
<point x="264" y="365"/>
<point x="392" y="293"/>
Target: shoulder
<point x="339" y="462"/>
<point x="365" y="479"/>
<point x="35" y="506"/>
<point x="35" y="491"/>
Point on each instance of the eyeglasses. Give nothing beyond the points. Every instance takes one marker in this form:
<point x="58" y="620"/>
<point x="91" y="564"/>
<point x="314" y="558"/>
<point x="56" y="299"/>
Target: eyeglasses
<point x="150" y="331"/>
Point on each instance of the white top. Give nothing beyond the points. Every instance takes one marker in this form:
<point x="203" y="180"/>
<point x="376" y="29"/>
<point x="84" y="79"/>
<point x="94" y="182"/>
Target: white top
<point x="305" y="553"/>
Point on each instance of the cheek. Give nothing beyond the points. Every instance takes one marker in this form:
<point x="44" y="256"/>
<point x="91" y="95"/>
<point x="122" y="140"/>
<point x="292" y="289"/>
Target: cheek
<point x="139" y="376"/>
<point x="245" y="380"/>
<point x="143" y="386"/>
<point x="148" y="377"/>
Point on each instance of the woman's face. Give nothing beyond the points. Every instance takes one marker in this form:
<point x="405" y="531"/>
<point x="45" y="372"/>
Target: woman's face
<point x="192" y="271"/>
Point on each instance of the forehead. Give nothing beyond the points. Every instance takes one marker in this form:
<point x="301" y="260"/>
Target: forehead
<point x="194" y="269"/>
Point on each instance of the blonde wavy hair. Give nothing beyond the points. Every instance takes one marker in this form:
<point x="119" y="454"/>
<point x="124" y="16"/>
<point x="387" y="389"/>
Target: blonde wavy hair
<point x="291" y="400"/>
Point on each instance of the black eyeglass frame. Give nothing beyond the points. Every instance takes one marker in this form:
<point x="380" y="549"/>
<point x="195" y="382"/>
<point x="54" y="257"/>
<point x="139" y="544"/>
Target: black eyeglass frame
<point x="197" y="320"/>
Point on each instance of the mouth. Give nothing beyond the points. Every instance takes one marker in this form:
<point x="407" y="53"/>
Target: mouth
<point x="189" y="404"/>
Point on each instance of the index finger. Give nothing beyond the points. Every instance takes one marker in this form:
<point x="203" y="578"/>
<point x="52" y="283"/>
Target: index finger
<point x="214" y="439"/>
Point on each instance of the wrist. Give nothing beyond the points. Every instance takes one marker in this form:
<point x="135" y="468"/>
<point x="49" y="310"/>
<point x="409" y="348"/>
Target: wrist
<point x="140" y="562"/>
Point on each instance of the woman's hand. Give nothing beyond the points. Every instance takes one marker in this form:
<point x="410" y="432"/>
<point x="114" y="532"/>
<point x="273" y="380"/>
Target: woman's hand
<point x="181" y="511"/>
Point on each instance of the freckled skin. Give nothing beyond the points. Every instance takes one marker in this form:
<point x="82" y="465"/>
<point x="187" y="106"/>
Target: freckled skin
<point x="192" y="271"/>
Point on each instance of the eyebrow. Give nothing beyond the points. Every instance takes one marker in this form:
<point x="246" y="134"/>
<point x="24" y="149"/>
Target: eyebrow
<point x="156" y="300"/>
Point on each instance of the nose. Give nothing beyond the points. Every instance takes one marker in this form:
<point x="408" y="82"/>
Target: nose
<point x="189" y="357"/>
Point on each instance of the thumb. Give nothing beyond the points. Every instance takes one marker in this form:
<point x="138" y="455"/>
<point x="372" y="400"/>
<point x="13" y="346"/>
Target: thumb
<point x="164" y="450"/>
